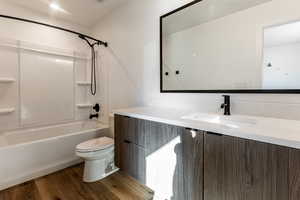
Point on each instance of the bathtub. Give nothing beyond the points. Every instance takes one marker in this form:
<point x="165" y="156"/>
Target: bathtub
<point x="31" y="153"/>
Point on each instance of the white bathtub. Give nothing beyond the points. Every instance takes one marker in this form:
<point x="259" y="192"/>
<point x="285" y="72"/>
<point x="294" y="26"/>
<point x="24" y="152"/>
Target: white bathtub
<point x="31" y="153"/>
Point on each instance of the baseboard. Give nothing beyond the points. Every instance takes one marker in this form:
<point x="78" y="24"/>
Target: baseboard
<point x="38" y="173"/>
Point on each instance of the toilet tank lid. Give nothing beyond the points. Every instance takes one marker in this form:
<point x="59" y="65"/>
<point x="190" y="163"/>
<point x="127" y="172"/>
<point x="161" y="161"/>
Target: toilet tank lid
<point x="95" y="144"/>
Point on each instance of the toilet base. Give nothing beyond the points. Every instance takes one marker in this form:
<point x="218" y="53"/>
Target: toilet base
<point x="94" y="170"/>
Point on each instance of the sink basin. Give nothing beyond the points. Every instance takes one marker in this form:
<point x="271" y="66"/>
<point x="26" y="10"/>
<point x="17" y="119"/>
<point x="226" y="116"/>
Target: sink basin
<point x="232" y="121"/>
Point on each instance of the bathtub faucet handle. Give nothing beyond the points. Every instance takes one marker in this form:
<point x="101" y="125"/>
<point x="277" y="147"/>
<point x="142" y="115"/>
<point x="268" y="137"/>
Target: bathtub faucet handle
<point x="96" y="107"/>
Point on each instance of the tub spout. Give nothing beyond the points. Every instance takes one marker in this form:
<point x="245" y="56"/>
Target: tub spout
<point x="94" y="116"/>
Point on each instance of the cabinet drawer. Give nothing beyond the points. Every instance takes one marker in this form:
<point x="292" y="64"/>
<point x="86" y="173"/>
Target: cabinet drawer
<point x="133" y="161"/>
<point x="131" y="129"/>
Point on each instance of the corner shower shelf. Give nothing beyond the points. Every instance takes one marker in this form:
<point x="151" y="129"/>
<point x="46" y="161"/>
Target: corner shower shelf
<point x="84" y="105"/>
<point x="7" y="80"/>
<point x="6" y="111"/>
<point x="83" y="83"/>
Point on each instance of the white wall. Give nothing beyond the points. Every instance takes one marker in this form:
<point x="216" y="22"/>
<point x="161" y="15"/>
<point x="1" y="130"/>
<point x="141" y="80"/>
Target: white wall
<point x="133" y="58"/>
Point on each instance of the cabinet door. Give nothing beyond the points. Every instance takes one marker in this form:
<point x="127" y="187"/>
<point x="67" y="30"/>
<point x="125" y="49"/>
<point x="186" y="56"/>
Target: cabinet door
<point x="294" y="174"/>
<point x="163" y="160"/>
<point x="192" y="164"/>
<point x="157" y="135"/>
<point x="239" y="169"/>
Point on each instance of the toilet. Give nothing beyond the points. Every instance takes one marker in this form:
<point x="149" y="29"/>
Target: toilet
<point x="98" y="155"/>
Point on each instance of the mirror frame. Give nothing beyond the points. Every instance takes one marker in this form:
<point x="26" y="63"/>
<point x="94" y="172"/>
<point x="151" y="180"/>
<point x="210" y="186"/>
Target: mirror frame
<point x="253" y="91"/>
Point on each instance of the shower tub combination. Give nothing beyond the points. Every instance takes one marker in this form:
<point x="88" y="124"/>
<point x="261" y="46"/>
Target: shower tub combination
<point x="31" y="153"/>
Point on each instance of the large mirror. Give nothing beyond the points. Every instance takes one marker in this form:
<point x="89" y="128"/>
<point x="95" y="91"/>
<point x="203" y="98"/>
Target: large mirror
<point x="221" y="46"/>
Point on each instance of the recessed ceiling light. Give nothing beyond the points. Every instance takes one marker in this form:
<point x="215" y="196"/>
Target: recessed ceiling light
<point x="55" y="6"/>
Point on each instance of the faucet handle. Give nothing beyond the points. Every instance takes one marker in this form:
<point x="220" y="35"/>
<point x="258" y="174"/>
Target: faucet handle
<point x="223" y="105"/>
<point x="96" y="107"/>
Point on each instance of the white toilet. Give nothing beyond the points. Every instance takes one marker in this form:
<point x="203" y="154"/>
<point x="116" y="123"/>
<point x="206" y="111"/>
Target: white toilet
<point x="98" y="155"/>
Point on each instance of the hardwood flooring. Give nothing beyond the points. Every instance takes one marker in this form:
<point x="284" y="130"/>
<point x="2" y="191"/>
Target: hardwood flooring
<point x="67" y="185"/>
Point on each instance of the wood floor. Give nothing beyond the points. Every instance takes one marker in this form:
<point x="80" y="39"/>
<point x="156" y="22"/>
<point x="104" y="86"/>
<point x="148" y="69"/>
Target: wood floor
<point x="67" y="185"/>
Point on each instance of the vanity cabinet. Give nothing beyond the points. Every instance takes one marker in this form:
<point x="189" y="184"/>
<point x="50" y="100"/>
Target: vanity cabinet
<point x="184" y="164"/>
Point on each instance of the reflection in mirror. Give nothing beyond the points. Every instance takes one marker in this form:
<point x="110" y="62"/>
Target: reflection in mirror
<point x="217" y="46"/>
<point x="281" y="66"/>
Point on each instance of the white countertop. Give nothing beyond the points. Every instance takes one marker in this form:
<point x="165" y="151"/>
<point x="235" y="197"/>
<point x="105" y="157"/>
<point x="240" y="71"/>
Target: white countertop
<point x="270" y="130"/>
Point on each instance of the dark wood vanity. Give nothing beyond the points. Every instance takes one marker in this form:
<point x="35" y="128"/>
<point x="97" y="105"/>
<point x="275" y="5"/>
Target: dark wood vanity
<point x="210" y="166"/>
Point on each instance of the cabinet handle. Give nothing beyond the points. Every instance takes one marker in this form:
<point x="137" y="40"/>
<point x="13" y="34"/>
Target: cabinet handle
<point x="127" y="141"/>
<point x="217" y="134"/>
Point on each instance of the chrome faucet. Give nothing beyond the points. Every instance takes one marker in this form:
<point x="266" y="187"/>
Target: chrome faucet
<point x="226" y="105"/>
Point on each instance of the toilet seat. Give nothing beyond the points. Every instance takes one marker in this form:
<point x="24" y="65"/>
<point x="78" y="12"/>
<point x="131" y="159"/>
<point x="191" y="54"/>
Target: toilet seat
<point x="93" y="145"/>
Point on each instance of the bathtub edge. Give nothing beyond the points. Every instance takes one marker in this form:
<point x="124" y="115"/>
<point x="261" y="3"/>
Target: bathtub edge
<point x="39" y="173"/>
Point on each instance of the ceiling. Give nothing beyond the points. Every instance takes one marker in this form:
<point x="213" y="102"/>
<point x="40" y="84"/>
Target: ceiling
<point x="83" y="12"/>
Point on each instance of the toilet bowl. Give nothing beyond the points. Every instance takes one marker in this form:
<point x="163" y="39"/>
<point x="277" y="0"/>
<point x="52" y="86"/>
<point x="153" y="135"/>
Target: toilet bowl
<point x="98" y="155"/>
